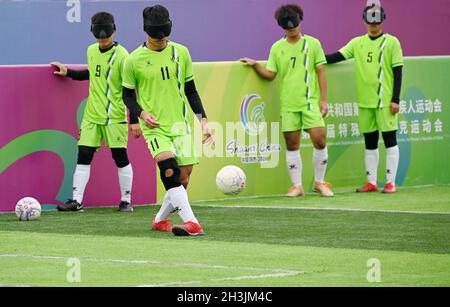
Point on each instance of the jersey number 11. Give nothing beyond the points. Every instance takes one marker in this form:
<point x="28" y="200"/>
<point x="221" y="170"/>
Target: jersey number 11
<point x="165" y="73"/>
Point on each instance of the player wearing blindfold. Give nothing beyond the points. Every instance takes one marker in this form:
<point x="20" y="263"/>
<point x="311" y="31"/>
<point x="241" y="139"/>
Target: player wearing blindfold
<point x="105" y="116"/>
<point x="378" y="61"/>
<point x="299" y="61"/>
<point x="158" y="84"/>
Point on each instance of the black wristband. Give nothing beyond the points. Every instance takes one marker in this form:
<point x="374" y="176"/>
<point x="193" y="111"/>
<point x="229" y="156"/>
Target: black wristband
<point x="194" y="99"/>
<point x="79" y="75"/>
<point x="129" y="98"/>
<point x="398" y="72"/>
<point x="335" y="58"/>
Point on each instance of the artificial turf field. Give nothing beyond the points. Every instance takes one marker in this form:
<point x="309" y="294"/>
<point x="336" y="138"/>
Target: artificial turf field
<point x="267" y="241"/>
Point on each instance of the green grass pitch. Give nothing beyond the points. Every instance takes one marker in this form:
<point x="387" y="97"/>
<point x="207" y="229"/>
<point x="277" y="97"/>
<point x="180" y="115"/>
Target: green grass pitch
<point x="267" y="241"/>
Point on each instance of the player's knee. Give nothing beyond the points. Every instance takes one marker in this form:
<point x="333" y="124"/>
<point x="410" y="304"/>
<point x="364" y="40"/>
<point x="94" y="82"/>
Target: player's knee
<point x="120" y="157"/>
<point x="390" y="138"/>
<point x="371" y="140"/>
<point x="292" y="144"/>
<point x="85" y="155"/>
<point x="185" y="181"/>
<point x="170" y="173"/>
<point x="292" y="141"/>
<point x="320" y="144"/>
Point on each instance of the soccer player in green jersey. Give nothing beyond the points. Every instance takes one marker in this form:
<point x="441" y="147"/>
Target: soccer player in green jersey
<point x="160" y="73"/>
<point x="299" y="61"/>
<point x="379" y="61"/>
<point x="105" y="116"/>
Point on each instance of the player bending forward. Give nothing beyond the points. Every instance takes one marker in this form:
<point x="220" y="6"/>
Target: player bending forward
<point x="160" y="72"/>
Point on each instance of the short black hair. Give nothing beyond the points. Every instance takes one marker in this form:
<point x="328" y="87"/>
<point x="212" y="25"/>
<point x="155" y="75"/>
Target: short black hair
<point x="156" y="15"/>
<point x="102" y="18"/>
<point x="288" y="10"/>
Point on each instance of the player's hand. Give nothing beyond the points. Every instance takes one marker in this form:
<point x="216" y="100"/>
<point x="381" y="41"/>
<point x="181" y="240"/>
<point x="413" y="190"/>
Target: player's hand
<point x="136" y="130"/>
<point x="149" y="120"/>
<point x="248" y="61"/>
<point x="208" y="137"/>
<point x="323" y="108"/>
<point x="62" y="69"/>
<point x="395" y="108"/>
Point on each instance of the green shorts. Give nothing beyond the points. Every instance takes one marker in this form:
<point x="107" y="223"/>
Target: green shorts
<point x="92" y="135"/>
<point x="303" y="120"/>
<point x="182" y="146"/>
<point x="374" y="119"/>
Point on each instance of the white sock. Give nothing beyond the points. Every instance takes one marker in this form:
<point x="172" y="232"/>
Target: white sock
<point x="392" y="158"/>
<point x="80" y="180"/>
<point x="320" y="160"/>
<point x="165" y="210"/>
<point x="294" y="165"/>
<point x="126" y="182"/>
<point x="179" y="199"/>
<point x="372" y="158"/>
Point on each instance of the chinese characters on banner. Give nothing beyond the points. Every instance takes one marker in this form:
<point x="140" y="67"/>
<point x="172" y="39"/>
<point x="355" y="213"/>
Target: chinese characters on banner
<point x="341" y="123"/>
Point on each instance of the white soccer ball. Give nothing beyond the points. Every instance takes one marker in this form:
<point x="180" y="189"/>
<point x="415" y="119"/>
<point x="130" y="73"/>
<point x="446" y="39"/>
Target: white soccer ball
<point x="28" y="209"/>
<point x="231" y="180"/>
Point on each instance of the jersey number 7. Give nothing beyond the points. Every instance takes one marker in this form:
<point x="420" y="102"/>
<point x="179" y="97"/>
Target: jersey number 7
<point x="293" y="59"/>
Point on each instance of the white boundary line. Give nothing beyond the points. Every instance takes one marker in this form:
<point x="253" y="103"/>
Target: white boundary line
<point x="145" y="262"/>
<point x="247" y="277"/>
<point x="275" y="273"/>
<point x="13" y="286"/>
<point x="231" y="206"/>
<point x="340" y="191"/>
<point x="200" y="202"/>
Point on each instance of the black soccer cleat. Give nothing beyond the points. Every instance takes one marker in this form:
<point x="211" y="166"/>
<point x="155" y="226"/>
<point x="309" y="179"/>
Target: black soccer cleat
<point x="125" y="207"/>
<point x="70" y="205"/>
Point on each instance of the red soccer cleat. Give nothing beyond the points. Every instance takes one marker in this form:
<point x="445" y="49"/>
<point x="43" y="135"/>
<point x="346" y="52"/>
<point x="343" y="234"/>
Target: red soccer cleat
<point x="389" y="188"/>
<point x="161" y="226"/>
<point x="188" y="229"/>
<point x="368" y="187"/>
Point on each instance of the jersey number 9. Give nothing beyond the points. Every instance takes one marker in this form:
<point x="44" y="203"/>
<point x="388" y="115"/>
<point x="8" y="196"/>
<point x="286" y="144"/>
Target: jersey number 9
<point x="98" y="71"/>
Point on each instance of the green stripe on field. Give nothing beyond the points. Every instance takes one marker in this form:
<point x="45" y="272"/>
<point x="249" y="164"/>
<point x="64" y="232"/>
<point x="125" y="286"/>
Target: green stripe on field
<point x="107" y="261"/>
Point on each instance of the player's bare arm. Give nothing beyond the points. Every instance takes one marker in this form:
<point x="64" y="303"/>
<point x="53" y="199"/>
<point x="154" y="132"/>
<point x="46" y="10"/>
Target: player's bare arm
<point x="129" y="98"/>
<point x="208" y="137"/>
<point x="136" y="130"/>
<point x="149" y="120"/>
<point x="197" y="107"/>
<point x="322" y="77"/>
<point x="62" y="69"/>
<point x="261" y="70"/>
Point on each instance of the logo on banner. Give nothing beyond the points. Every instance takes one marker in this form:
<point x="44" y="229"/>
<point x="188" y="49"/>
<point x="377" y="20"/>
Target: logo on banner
<point x="252" y="114"/>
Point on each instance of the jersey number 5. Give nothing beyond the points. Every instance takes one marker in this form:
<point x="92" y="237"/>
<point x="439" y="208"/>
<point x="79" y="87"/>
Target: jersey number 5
<point x="165" y="73"/>
<point x="370" y="57"/>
